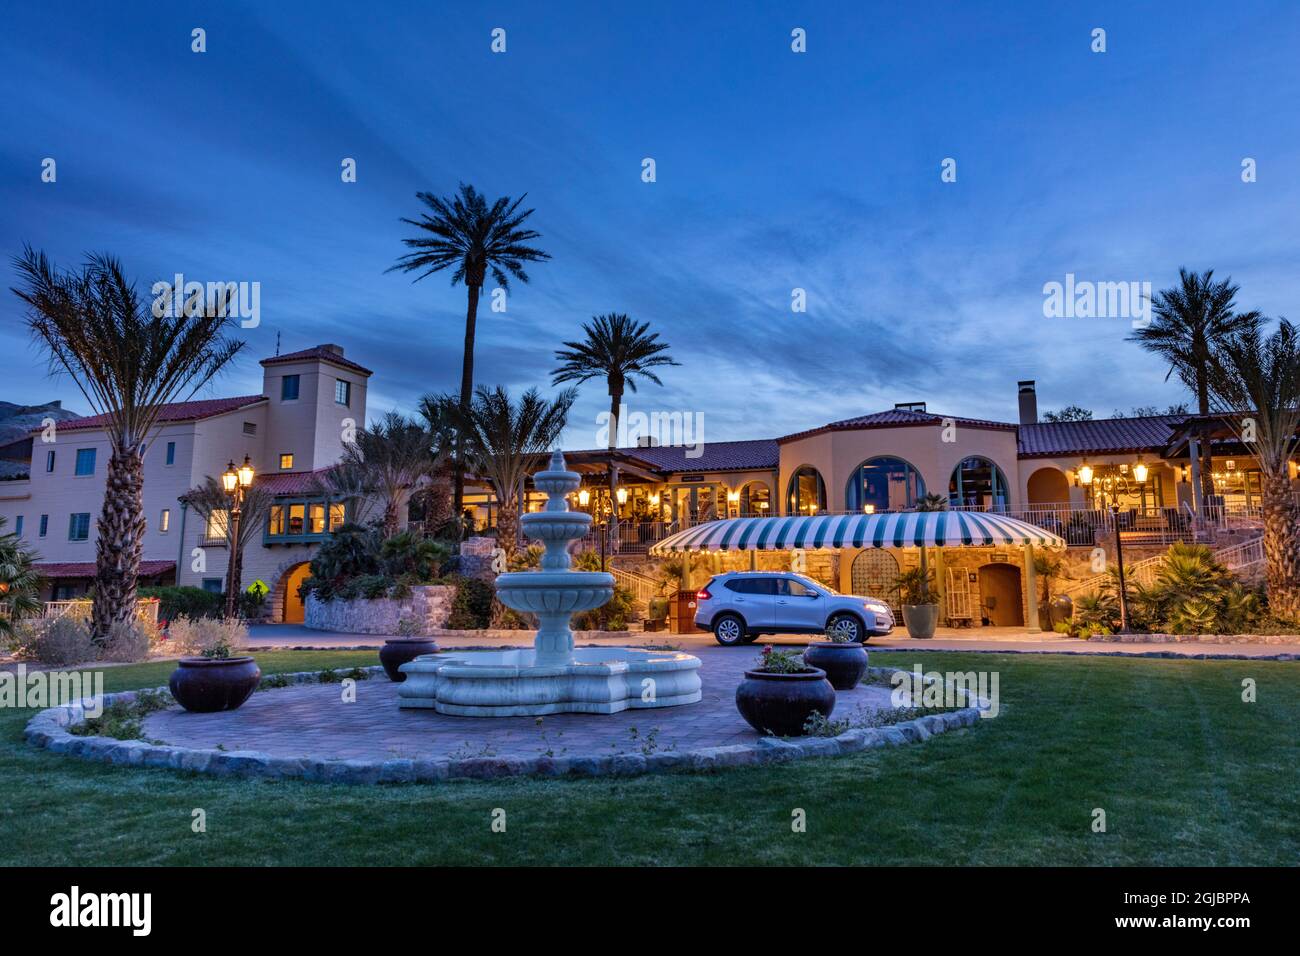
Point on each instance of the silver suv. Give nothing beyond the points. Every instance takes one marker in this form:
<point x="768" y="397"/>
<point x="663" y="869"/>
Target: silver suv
<point x="740" y="605"/>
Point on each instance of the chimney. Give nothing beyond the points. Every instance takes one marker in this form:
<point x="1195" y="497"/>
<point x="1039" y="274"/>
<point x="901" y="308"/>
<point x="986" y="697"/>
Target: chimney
<point x="331" y="347"/>
<point x="909" y="406"/>
<point x="1028" y="402"/>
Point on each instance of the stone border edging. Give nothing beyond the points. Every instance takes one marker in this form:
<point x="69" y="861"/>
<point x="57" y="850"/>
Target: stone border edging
<point x="1159" y="638"/>
<point x="1137" y="655"/>
<point x="48" y="730"/>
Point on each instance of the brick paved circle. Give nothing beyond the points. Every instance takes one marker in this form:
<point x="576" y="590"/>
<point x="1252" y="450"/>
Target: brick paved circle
<point x="311" y="720"/>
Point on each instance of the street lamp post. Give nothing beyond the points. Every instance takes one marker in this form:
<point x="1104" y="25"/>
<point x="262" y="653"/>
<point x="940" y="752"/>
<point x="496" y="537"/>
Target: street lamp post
<point x="236" y="482"/>
<point x="1119" y="562"/>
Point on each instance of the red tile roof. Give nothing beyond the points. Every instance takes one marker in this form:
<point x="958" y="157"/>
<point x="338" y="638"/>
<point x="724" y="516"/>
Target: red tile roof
<point x="289" y="482"/>
<point x="322" y="352"/>
<point x="86" y="569"/>
<point x="898" y="418"/>
<point x="1104" y="436"/>
<point x="713" y="456"/>
<point x="175" y="412"/>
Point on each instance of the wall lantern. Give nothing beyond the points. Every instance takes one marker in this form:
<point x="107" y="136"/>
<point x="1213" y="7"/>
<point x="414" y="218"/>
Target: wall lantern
<point x="869" y="509"/>
<point x="584" y="497"/>
<point x="1085" y="472"/>
<point x="733" y="496"/>
<point x="622" y="496"/>
<point x="654" y="500"/>
<point x="1140" y="471"/>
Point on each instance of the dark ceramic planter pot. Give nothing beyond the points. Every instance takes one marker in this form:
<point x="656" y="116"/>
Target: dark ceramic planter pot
<point x="206" y="685"/>
<point x="401" y="650"/>
<point x="780" y="704"/>
<point x="921" y="620"/>
<point x="844" y="664"/>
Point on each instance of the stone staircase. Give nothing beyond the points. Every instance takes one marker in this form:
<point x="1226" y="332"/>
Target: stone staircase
<point x="1236" y="558"/>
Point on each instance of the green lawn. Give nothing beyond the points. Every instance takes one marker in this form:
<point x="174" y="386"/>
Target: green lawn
<point x="1186" y="772"/>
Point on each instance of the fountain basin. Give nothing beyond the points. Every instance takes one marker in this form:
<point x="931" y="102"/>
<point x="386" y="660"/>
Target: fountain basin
<point x="557" y="592"/>
<point x="513" y="683"/>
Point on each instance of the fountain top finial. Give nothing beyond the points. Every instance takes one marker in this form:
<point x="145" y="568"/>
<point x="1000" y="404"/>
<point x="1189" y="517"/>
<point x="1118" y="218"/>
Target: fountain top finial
<point x="557" y="461"/>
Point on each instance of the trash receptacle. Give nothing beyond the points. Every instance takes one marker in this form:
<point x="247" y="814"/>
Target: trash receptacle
<point x="682" y="616"/>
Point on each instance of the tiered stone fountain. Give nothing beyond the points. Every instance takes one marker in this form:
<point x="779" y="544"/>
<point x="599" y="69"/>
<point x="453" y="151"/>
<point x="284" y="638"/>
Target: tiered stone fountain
<point x="553" y="677"/>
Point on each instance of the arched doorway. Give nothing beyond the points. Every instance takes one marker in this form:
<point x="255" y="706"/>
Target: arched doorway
<point x="1000" y="595"/>
<point x="977" y="482"/>
<point x="874" y="573"/>
<point x="294" y="610"/>
<point x="806" y="494"/>
<point x="1048" y="486"/>
<point x="755" y="500"/>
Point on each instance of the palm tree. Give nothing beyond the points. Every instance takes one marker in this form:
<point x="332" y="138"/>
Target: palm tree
<point x="619" y="350"/>
<point x="386" y="461"/>
<point x="210" y="498"/>
<point x="20" y="583"/>
<point x="504" y="441"/>
<point x="1188" y="321"/>
<point x="1254" y="383"/>
<point x="128" y="360"/>
<point x="474" y="238"/>
<point x="929" y="502"/>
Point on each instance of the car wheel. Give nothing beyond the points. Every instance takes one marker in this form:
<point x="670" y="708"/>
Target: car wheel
<point x="729" y="630"/>
<point x="848" y="625"/>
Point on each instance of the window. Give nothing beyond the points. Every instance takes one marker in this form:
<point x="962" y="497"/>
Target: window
<point x="216" y="526"/>
<point x="337" y="515"/>
<point x="18" y="526"/>
<point x="884" y="484"/>
<point x="752" y="585"/>
<point x="794" y="588"/>
<point x="275" y="524"/>
<point x="171" y="453"/>
<point x="296" y="514"/>
<point x="79" y="526"/>
<point x="289" y="388"/>
<point x="164" y="521"/>
<point x="213" y="585"/>
<point x="977" y="483"/>
<point x="49" y="461"/>
<point x="304" y="518"/>
<point x="250" y="428"/>
<point x="85" y="462"/>
<point x="342" y="392"/>
<point x="317" y="514"/>
<point x="286" y="462"/>
<point x="45" y="525"/>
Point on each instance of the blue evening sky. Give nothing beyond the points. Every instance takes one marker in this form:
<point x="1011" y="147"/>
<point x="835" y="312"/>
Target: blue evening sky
<point x="775" y="170"/>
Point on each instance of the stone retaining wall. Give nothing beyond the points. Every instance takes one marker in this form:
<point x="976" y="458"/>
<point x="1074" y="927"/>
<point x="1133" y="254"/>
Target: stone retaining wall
<point x="426" y="610"/>
<point x="1195" y="639"/>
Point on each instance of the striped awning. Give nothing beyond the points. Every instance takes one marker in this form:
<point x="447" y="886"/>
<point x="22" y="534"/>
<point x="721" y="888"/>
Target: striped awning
<point x="902" y="529"/>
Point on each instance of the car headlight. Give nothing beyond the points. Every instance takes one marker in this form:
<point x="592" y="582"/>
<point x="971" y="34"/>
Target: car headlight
<point x="878" y="609"/>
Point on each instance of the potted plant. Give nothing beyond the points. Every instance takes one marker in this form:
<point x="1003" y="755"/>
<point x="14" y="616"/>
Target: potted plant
<point x="779" y="695"/>
<point x="214" y="681"/>
<point x="403" y="649"/>
<point x="920" y="611"/>
<point x="843" y="660"/>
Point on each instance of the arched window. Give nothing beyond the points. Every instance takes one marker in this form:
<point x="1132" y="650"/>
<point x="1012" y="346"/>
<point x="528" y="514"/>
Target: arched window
<point x="884" y="484"/>
<point x="978" y="483"/>
<point x="807" y="492"/>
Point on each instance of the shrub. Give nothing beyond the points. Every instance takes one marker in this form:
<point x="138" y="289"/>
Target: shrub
<point x="58" y="642"/>
<point x="774" y="661"/>
<point x="614" y="615"/>
<point x="418" y="560"/>
<point x="191" y="602"/>
<point x="207" y="637"/>
<point x="471" y="608"/>
<point x="128" y="642"/>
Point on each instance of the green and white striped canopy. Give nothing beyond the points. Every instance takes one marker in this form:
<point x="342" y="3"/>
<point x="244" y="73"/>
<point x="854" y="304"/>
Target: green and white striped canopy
<point x="900" y="529"/>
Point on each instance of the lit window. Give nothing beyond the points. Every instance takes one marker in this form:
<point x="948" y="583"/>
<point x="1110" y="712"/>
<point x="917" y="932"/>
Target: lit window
<point x="85" y="461"/>
<point x="337" y="515"/>
<point x="164" y="521"/>
<point x="296" y="514"/>
<point x="216" y="526"/>
<point x="289" y="388"/>
<point x="276" y="523"/>
<point x="342" y="392"/>
<point x="286" y="462"/>
<point x="317" y="519"/>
